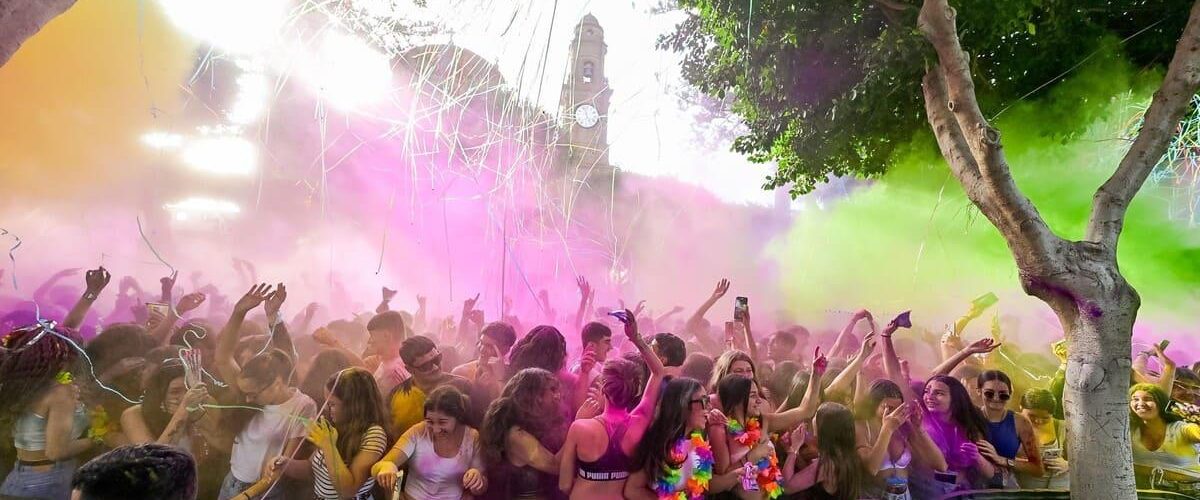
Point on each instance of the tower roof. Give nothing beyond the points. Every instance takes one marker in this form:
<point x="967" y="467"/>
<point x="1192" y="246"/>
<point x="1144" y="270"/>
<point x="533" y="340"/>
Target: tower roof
<point x="589" y="19"/>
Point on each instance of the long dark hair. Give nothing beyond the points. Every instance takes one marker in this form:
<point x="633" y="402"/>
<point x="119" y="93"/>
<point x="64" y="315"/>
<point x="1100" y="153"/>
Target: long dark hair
<point x="734" y="392"/>
<point x="362" y="407"/>
<point x="990" y="375"/>
<point x="669" y="425"/>
<point x="449" y="401"/>
<point x="543" y="347"/>
<point x="880" y="390"/>
<point x="153" y="412"/>
<point x="837" y="448"/>
<point x="1161" y="400"/>
<point x="519" y="405"/>
<point x="963" y="412"/>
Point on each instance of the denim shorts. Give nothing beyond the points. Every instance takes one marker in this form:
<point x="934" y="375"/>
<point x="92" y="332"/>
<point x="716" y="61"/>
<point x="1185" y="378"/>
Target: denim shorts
<point x="231" y="487"/>
<point x="45" y="482"/>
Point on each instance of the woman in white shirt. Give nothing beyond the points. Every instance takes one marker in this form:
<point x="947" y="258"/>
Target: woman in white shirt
<point x="441" y="452"/>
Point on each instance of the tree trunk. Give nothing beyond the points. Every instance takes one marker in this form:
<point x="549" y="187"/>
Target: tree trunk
<point x="21" y="19"/>
<point x="1096" y="396"/>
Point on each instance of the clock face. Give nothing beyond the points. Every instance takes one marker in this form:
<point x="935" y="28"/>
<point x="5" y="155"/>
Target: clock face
<point x="586" y="115"/>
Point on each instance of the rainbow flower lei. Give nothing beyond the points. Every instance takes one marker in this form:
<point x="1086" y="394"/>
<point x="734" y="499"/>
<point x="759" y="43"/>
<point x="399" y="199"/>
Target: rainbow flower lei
<point x="670" y="485"/>
<point x="768" y="473"/>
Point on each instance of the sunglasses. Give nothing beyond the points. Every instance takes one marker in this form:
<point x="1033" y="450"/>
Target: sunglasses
<point x="703" y="402"/>
<point x="428" y="365"/>
<point x="1002" y="396"/>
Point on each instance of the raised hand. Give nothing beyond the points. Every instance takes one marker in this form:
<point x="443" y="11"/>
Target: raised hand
<point x="819" y="364"/>
<point x="797" y="438"/>
<point x="716" y="419"/>
<point x="322" y="434"/>
<point x="469" y="304"/>
<point x="253" y="298"/>
<point x="631" y="327"/>
<point x="274" y="301"/>
<point x="388" y="294"/>
<point x="895" y="418"/>
<point x="721" y="289"/>
<point x="868" y="345"/>
<point x="589" y="409"/>
<point x="983" y="346"/>
<point x="194" y="397"/>
<point x="96" y="280"/>
<point x="585" y="289"/>
<point x="637" y="311"/>
<point x="168" y="283"/>
<point x="323" y="336"/>
<point x="587" y="362"/>
<point x="189" y="303"/>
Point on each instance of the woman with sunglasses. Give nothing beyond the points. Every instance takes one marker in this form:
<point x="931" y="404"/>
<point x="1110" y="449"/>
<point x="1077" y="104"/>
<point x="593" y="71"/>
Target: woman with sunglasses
<point x="596" y="456"/>
<point x="675" y="460"/>
<point x="1008" y="433"/>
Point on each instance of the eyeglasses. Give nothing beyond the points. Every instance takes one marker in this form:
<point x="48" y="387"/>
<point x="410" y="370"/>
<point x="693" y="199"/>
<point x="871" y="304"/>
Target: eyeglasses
<point x="703" y="402"/>
<point x="1002" y="396"/>
<point x="428" y="365"/>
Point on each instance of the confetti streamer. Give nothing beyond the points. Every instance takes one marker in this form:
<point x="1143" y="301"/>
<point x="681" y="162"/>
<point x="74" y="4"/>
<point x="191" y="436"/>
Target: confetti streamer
<point x="12" y="255"/>
<point x="151" y="247"/>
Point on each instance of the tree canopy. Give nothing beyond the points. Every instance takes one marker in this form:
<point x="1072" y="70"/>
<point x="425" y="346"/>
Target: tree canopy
<point x="833" y="87"/>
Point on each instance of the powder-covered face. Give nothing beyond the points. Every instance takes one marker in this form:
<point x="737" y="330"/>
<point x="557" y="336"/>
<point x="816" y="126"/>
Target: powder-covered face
<point x="440" y="425"/>
<point x="743" y="368"/>
<point x="1143" y="405"/>
<point x="937" y="397"/>
<point x="996" y="394"/>
<point x="1039" y="418"/>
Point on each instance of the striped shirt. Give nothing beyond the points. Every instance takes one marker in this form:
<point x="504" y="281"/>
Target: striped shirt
<point x="374" y="441"/>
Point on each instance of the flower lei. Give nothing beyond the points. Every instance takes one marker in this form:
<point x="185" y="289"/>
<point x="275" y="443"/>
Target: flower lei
<point x="768" y="473"/>
<point x="670" y="485"/>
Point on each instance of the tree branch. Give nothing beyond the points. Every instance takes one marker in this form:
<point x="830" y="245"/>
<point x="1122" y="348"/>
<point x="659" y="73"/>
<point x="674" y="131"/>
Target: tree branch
<point x="1170" y="102"/>
<point x="999" y="198"/>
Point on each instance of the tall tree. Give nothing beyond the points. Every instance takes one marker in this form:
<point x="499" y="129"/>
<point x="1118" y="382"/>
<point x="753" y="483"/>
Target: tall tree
<point x="21" y="19"/>
<point x="832" y="87"/>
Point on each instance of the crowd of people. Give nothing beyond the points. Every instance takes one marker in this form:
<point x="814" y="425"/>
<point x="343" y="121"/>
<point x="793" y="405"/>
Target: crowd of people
<point x="159" y="400"/>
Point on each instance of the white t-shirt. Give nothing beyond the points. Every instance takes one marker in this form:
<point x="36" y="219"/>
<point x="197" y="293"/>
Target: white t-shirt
<point x="431" y="476"/>
<point x="266" y="434"/>
<point x="373" y="441"/>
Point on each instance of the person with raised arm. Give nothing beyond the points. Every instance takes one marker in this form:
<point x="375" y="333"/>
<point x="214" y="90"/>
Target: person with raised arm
<point x="951" y="420"/>
<point x="698" y="327"/>
<point x="1165" y="380"/>
<point x="97" y="280"/>
<point x="596" y="458"/>
<point x="675" y="459"/>
<point x="586" y="295"/>
<point x="39" y="402"/>
<point x="273" y="430"/>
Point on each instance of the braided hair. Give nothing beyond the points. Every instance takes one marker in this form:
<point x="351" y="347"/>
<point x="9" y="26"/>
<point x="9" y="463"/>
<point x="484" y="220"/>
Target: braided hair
<point x="28" y="368"/>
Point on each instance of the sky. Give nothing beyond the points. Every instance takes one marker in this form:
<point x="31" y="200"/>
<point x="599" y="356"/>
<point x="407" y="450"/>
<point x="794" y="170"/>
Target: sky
<point x="649" y="133"/>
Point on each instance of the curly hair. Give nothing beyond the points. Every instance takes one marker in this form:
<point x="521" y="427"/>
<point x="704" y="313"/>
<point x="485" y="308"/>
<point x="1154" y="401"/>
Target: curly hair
<point x="28" y="370"/>
<point x="1038" y="398"/>
<point x="543" y="347"/>
<point x="519" y="405"/>
<point x="138" y="471"/>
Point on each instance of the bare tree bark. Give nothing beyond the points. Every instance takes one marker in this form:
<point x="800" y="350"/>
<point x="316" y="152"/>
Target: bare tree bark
<point x="21" y="19"/>
<point x="1080" y="280"/>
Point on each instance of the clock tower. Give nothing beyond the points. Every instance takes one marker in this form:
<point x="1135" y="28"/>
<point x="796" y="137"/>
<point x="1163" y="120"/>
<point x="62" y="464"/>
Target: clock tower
<point x="583" y="109"/>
